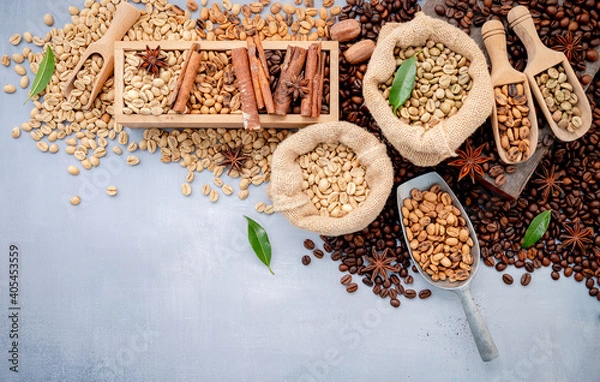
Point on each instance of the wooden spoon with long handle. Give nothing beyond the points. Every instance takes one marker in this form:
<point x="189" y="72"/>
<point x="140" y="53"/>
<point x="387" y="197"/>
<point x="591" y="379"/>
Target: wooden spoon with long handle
<point x="503" y="73"/>
<point x="539" y="59"/>
<point x="125" y="16"/>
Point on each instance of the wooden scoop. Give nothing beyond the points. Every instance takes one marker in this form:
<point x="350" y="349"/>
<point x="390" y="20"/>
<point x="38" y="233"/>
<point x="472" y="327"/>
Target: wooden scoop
<point x="539" y="59"/>
<point x="125" y="16"/>
<point x="494" y="39"/>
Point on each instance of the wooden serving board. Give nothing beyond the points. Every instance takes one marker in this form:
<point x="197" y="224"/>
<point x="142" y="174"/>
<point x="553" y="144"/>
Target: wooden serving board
<point x="220" y="120"/>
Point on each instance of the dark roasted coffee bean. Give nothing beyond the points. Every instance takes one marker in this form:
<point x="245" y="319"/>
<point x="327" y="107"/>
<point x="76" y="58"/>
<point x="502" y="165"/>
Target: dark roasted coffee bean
<point x="489" y="261"/>
<point x="508" y="279"/>
<point x="309" y="244"/>
<point x="327" y="248"/>
<point x="395" y="302"/>
<point x="305" y="260"/>
<point x="410" y="293"/>
<point x="501" y="266"/>
<point x="318" y="253"/>
<point x="589" y="283"/>
<point x="367" y="281"/>
<point x="346" y="279"/>
<point x="425" y="293"/>
<point x="351" y="288"/>
<point x="555" y="275"/>
<point x="439" y="9"/>
<point x="525" y="279"/>
<point x="408" y="279"/>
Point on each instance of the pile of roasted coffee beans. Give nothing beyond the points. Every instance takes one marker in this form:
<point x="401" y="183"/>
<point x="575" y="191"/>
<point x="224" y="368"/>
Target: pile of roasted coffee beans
<point x="567" y="181"/>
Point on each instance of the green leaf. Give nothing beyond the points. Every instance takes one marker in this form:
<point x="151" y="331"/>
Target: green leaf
<point x="259" y="240"/>
<point x="536" y="229"/>
<point x="404" y="82"/>
<point x="44" y="74"/>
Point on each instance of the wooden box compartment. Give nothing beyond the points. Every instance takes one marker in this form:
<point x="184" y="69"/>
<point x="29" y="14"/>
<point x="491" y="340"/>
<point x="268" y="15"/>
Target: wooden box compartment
<point x="176" y="120"/>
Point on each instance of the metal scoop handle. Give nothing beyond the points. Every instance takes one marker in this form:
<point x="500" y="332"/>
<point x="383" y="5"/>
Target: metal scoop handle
<point x="481" y="334"/>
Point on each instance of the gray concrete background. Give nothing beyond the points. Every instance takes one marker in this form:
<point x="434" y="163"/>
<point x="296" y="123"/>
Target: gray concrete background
<point x="153" y="286"/>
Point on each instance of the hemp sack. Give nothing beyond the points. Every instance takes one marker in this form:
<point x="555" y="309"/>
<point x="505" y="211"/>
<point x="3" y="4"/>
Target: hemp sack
<point x="427" y="148"/>
<point x="285" y="187"/>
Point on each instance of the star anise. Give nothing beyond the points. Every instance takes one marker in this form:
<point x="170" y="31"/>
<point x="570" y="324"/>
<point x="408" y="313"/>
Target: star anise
<point x="152" y="61"/>
<point x="297" y="87"/>
<point x="577" y="236"/>
<point x="469" y="161"/>
<point x="570" y="45"/>
<point x="549" y="182"/>
<point x="234" y="159"/>
<point x="380" y="263"/>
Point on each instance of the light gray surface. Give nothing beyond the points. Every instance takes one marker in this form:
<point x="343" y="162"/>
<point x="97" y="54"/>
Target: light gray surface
<point x="152" y="286"/>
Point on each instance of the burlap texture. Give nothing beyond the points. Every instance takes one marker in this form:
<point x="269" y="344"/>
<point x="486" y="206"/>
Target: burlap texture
<point x="427" y="148"/>
<point x="285" y="188"/>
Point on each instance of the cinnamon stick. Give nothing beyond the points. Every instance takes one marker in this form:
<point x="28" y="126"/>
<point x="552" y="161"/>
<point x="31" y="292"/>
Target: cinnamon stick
<point x="312" y="65"/>
<point x="261" y="56"/>
<point x="260" y="76"/>
<point x="187" y="82"/>
<point x="254" y="65"/>
<point x="293" y="64"/>
<point x="173" y="96"/>
<point x="318" y="82"/>
<point x="241" y="67"/>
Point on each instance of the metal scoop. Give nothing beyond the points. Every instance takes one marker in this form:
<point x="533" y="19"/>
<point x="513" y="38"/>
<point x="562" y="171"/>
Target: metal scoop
<point x="481" y="335"/>
<point x="125" y="16"/>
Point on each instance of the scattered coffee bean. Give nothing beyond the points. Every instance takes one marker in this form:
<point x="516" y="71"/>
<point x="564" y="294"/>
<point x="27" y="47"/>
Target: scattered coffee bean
<point x="525" y="279"/>
<point x="305" y="260"/>
<point x="346" y="279"/>
<point x="410" y="294"/>
<point x="318" y="253"/>
<point x="508" y="279"/>
<point x="309" y="244"/>
<point x="425" y="293"/>
<point x="351" y="288"/>
<point x="395" y="302"/>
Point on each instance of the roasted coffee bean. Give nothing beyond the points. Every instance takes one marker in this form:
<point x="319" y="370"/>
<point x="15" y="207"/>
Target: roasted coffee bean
<point x="336" y="255"/>
<point x="489" y="261"/>
<point x="508" y="279"/>
<point x="425" y="293"/>
<point x="367" y="281"/>
<point x="395" y="302"/>
<point x="318" y="253"/>
<point x="410" y="294"/>
<point x="555" y="275"/>
<point x="346" y="279"/>
<point x="305" y="260"/>
<point x="408" y="279"/>
<point x="352" y="287"/>
<point x="500" y="266"/>
<point x="589" y="283"/>
<point x="525" y="279"/>
<point x="309" y="244"/>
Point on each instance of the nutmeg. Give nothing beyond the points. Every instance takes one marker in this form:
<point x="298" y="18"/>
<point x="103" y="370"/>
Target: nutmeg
<point x="346" y="30"/>
<point x="359" y="52"/>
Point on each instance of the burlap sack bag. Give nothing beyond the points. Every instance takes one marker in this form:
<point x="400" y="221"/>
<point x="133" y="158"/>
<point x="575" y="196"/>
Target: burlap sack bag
<point x="285" y="188"/>
<point x="427" y="148"/>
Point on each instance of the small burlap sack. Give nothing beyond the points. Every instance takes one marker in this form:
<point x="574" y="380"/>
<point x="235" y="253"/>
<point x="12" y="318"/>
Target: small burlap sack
<point x="285" y="188"/>
<point x="427" y="148"/>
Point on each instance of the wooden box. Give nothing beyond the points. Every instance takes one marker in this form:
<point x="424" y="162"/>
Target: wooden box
<point x="219" y="120"/>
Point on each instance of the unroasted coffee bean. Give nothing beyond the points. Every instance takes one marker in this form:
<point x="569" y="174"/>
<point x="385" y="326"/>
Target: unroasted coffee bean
<point x="347" y="279"/>
<point x="318" y="253"/>
<point x="351" y="288"/>
<point x="525" y="279"/>
<point x="305" y="260"/>
<point x="410" y="294"/>
<point x="425" y="293"/>
<point x="309" y="244"/>
<point x="508" y="279"/>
